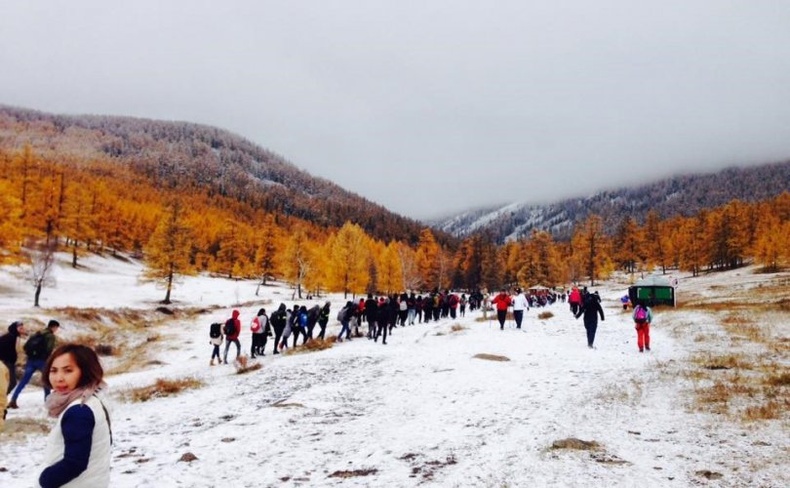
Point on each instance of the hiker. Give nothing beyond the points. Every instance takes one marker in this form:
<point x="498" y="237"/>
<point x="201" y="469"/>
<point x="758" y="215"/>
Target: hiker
<point x="79" y="445"/>
<point x="591" y="308"/>
<point x="371" y="315"/>
<point x="502" y="302"/>
<point x="279" y="320"/>
<point x="8" y="354"/>
<point x="462" y="305"/>
<point x="642" y="318"/>
<point x="323" y="319"/>
<point x="290" y="316"/>
<point x="382" y="321"/>
<point x="626" y="301"/>
<point x="344" y="317"/>
<point x="520" y="304"/>
<point x="215" y="339"/>
<point x="38" y="348"/>
<point x="260" y="329"/>
<point x="232" y="330"/>
<point x="575" y="300"/>
<point x="411" y="308"/>
<point x="312" y="318"/>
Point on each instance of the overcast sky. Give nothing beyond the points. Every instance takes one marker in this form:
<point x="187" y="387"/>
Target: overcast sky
<point x="429" y="107"/>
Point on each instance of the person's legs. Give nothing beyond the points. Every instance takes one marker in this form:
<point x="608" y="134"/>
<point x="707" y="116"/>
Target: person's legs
<point x="238" y="348"/>
<point x="646" y="332"/>
<point x="518" y="315"/>
<point x="11" y="377"/>
<point x="639" y="338"/>
<point x="225" y="355"/>
<point x="277" y="337"/>
<point x="591" y="328"/>
<point x="30" y="368"/>
<point x="501" y="315"/>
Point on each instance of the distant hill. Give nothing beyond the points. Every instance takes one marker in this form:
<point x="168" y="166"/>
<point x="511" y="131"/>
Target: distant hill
<point x="680" y="195"/>
<point x="187" y="155"/>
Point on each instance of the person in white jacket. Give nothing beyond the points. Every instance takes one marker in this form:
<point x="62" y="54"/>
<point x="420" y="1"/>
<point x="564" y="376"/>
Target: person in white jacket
<point x="520" y="304"/>
<point x="78" y="447"/>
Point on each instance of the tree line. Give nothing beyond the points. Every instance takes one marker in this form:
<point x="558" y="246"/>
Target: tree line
<point x="81" y="206"/>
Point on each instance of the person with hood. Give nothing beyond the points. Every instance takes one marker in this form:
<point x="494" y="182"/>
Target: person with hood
<point x="520" y="304"/>
<point x="591" y="308"/>
<point x="232" y="330"/>
<point x="279" y="320"/>
<point x="260" y="330"/>
<point x="323" y="319"/>
<point x="642" y="317"/>
<point x="502" y="302"/>
<point x="37" y="358"/>
<point x="8" y="354"/>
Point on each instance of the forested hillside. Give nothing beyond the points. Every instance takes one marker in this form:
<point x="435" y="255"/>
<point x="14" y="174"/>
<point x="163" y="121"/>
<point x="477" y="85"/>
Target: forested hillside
<point x="684" y="195"/>
<point x="181" y="155"/>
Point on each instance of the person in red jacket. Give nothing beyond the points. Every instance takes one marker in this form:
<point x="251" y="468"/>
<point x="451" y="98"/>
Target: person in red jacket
<point x="232" y="335"/>
<point x="502" y="302"/>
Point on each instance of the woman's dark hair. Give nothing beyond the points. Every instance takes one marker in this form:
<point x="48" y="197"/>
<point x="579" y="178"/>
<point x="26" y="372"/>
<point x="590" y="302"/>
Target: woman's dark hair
<point x="86" y="359"/>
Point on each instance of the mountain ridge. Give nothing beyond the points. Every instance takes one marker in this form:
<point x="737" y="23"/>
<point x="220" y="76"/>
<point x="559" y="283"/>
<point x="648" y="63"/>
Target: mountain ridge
<point x="683" y="195"/>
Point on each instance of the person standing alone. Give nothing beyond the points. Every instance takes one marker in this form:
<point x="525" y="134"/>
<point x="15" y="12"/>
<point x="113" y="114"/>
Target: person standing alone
<point x="591" y="308"/>
<point x="642" y="318"/>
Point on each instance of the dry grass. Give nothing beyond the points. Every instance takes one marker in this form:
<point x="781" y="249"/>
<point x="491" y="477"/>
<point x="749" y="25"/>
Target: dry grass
<point x="457" y="328"/>
<point x="313" y="345"/>
<point x="491" y="357"/>
<point x="244" y="365"/>
<point x="162" y="388"/>
<point x="23" y="426"/>
<point x="545" y="315"/>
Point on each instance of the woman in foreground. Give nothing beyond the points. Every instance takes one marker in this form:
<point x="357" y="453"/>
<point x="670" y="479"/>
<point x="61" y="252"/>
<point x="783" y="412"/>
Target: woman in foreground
<point x="78" y="448"/>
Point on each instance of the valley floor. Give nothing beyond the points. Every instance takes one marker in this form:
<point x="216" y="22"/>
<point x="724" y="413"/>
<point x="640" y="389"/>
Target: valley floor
<point x="424" y="411"/>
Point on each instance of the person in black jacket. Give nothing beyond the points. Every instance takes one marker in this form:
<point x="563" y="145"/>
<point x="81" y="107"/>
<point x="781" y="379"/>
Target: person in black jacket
<point x="382" y="321"/>
<point x="591" y="308"/>
<point x="323" y="319"/>
<point x="277" y="320"/>
<point x="371" y="315"/>
<point x="8" y="355"/>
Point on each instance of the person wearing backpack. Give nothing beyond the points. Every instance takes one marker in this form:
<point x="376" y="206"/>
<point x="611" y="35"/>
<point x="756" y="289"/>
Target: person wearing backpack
<point x="259" y="328"/>
<point x="37" y="348"/>
<point x="323" y="319"/>
<point x="642" y="318"/>
<point x="278" y="320"/>
<point x="215" y="339"/>
<point x="344" y="317"/>
<point x="591" y="308"/>
<point x="232" y="329"/>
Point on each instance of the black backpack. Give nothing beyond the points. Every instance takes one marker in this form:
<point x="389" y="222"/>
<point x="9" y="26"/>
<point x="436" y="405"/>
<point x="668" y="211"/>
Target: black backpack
<point x="36" y="346"/>
<point x="230" y="327"/>
<point x="216" y="330"/>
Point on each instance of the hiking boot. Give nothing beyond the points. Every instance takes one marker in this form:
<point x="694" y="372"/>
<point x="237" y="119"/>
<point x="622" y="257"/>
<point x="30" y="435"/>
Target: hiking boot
<point x="12" y="404"/>
<point x="641" y="350"/>
<point x="212" y="362"/>
<point x="647" y="348"/>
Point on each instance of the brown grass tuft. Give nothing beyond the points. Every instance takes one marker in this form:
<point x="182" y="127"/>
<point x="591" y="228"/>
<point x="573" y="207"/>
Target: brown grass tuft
<point x="162" y="388"/>
<point x="244" y="365"/>
<point x="545" y="315"/>
<point x="457" y="328"/>
<point x="491" y="357"/>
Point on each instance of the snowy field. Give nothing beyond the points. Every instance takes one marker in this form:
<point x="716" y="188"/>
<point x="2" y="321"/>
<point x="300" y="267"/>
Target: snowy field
<point x="421" y="410"/>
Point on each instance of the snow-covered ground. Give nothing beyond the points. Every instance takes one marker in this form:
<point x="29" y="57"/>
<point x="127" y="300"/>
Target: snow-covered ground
<point x="419" y="411"/>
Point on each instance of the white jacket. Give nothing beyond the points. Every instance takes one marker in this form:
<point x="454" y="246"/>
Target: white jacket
<point x="97" y="475"/>
<point x="520" y="302"/>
